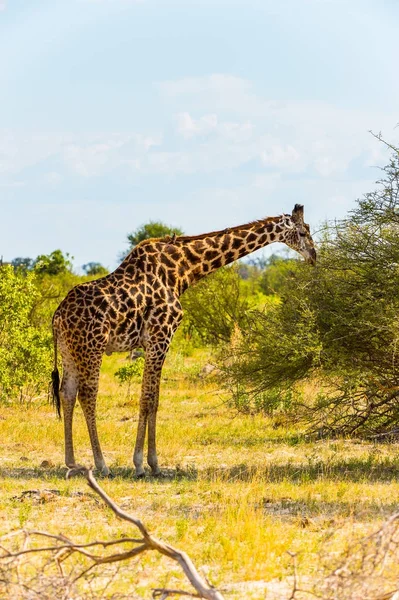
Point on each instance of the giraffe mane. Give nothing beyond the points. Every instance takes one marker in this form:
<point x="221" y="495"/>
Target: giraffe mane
<point x="201" y="236"/>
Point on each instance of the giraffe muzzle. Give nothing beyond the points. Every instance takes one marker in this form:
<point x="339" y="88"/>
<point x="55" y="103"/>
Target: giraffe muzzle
<point x="312" y="257"/>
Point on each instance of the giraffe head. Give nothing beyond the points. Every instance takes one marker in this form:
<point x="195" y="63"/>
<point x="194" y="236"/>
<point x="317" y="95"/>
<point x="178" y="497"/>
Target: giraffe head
<point x="298" y="235"/>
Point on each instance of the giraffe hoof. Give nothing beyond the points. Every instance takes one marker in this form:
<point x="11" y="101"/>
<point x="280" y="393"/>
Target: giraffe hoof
<point x="140" y="475"/>
<point x="156" y="473"/>
<point x="108" y="475"/>
<point x="75" y="471"/>
<point x="105" y="472"/>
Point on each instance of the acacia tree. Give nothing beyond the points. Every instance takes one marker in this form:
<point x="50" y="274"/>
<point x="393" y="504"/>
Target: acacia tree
<point x="338" y="323"/>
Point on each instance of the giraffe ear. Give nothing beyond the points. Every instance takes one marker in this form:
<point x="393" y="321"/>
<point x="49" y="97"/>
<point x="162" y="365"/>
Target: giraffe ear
<point x="297" y="213"/>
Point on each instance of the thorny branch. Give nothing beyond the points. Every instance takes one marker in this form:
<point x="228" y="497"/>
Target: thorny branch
<point x="365" y="568"/>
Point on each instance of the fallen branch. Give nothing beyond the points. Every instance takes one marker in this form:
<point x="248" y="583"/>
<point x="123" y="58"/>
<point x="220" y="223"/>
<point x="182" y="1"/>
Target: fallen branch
<point x="150" y="543"/>
<point x="61" y="548"/>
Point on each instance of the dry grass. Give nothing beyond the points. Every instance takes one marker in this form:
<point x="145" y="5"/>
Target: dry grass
<point x="237" y="494"/>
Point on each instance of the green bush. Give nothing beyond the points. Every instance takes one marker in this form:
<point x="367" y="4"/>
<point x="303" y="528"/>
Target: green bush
<point x="275" y="271"/>
<point x="215" y="305"/>
<point x="50" y="291"/>
<point x="25" y="350"/>
<point x="337" y="323"/>
<point x="127" y="373"/>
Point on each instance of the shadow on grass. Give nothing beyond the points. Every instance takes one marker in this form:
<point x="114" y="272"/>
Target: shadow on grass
<point x="46" y="474"/>
<point x="352" y="470"/>
<point x="226" y="438"/>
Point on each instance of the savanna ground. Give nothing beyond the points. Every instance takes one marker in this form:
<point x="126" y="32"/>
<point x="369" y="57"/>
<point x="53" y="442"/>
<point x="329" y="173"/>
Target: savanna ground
<point x="238" y="493"/>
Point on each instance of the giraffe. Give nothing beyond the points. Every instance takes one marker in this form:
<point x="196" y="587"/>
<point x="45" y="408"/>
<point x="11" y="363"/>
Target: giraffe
<point x="138" y="305"/>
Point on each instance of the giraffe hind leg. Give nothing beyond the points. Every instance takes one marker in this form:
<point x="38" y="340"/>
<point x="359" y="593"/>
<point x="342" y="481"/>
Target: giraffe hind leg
<point x="68" y="391"/>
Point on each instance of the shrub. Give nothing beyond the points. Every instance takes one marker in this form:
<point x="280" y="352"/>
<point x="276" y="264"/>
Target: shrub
<point x="127" y="373"/>
<point x="215" y="305"/>
<point x="50" y="291"/>
<point x="275" y="271"/>
<point x="25" y="350"/>
<point x="338" y="322"/>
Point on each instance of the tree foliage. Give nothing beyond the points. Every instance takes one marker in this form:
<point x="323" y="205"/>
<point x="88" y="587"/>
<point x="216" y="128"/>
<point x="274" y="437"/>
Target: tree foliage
<point x="338" y="323"/>
<point x="23" y="264"/>
<point x="25" y="350"/>
<point x="274" y="273"/>
<point x="152" y="229"/>
<point x="217" y="304"/>
<point x="55" y="263"/>
<point x="95" y="269"/>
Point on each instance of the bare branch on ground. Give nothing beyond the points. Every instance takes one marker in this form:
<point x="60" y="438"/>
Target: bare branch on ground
<point x="21" y="580"/>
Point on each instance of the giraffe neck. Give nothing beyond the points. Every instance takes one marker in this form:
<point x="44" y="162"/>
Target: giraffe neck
<point x="204" y="254"/>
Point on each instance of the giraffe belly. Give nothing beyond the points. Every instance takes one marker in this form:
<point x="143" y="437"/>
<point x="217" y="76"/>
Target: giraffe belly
<point x="122" y="343"/>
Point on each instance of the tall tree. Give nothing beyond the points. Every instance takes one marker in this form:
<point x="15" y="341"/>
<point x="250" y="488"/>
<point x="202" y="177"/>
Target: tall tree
<point x="53" y="264"/>
<point x="23" y="264"/>
<point x="95" y="269"/>
<point x="152" y="229"/>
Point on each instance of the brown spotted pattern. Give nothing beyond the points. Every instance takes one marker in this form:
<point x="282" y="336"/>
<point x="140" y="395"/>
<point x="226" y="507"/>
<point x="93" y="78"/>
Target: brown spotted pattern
<point x="138" y="306"/>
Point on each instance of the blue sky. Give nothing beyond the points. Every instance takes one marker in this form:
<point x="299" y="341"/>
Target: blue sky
<point x="201" y="113"/>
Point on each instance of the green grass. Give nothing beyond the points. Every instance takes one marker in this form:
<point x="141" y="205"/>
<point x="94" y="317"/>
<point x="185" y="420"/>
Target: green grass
<point x="236" y="493"/>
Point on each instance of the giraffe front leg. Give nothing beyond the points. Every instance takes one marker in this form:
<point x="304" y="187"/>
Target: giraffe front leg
<point x="159" y="333"/>
<point x="152" y="458"/>
<point x="87" y="398"/>
<point x="139" y="446"/>
<point x="148" y="412"/>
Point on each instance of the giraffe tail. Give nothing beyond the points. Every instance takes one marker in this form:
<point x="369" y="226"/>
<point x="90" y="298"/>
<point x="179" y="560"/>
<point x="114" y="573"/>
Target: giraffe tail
<point x="55" y="380"/>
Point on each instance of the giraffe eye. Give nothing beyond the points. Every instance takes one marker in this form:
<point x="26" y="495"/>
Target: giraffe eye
<point x="302" y="233"/>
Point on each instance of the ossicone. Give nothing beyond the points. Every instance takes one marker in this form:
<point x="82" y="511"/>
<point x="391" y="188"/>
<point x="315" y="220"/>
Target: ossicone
<point x="297" y="213"/>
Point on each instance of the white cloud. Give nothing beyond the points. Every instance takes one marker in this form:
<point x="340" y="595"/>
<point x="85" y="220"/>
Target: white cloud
<point x="207" y="84"/>
<point x="52" y="178"/>
<point x="219" y="93"/>
<point x="97" y="157"/>
<point x="84" y="155"/>
<point x="3" y="4"/>
<point x="280" y="156"/>
<point x="12" y="184"/>
<point x="246" y="156"/>
<point x="292" y="137"/>
<point x="188" y="127"/>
